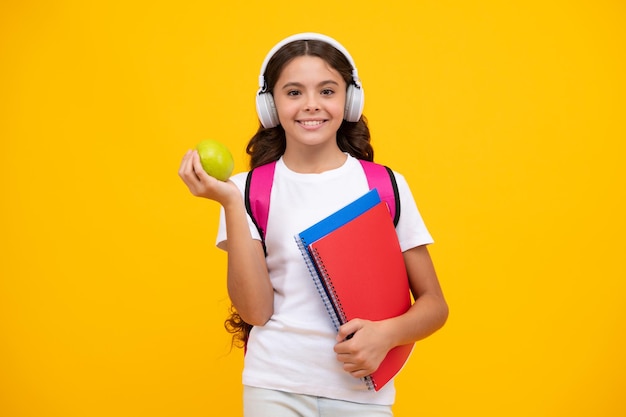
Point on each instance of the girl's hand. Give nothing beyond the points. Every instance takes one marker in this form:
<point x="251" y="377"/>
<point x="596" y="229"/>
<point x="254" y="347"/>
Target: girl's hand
<point x="362" y="346"/>
<point x="202" y="184"/>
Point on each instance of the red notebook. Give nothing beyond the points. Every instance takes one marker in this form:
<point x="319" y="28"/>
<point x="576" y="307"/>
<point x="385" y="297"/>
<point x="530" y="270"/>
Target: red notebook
<point x="362" y="269"/>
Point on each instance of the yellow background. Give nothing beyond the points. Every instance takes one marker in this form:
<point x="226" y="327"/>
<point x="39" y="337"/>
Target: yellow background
<point x="507" y="118"/>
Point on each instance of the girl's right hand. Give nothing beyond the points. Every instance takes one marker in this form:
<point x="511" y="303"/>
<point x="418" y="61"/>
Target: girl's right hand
<point x="202" y="184"/>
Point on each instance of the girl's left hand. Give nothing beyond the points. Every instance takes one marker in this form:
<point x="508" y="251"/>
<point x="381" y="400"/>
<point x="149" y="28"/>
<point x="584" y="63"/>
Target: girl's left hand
<point x="362" y="346"/>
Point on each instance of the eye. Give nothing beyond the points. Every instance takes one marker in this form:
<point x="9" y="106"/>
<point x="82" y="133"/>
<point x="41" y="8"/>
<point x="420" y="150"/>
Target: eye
<point x="327" y="92"/>
<point x="293" y="92"/>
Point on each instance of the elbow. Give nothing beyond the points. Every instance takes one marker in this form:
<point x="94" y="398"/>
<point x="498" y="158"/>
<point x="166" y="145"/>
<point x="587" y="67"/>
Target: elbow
<point x="258" y="317"/>
<point x="443" y="312"/>
<point x="258" y="310"/>
<point x="437" y="313"/>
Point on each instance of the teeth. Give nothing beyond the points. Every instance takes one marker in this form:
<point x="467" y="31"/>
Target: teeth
<point x="311" y="122"/>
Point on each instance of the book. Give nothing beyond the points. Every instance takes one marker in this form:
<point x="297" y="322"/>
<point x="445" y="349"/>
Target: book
<point x="357" y="264"/>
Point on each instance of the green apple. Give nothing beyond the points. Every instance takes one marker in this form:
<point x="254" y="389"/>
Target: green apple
<point x="216" y="159"/>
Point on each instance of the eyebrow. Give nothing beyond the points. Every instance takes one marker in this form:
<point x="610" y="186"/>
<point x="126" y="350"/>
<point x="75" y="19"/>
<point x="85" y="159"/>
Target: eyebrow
<point x="300" y="85"/>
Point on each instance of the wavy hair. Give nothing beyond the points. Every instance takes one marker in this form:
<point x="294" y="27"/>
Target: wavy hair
<point x="268" y="144"/>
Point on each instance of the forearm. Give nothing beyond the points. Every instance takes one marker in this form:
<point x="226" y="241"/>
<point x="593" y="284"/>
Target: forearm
<point x="429" y="312"/>
<point x="427" y="315"/>
<point x="248" y="282"/>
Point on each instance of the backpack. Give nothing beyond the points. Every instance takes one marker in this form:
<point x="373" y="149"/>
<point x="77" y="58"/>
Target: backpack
<point x="259" y="187"/>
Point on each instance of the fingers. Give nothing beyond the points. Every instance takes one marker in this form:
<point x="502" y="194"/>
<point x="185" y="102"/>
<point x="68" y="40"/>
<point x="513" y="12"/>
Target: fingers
<point x="197" y="166"/>
<point x="186" y="165"/>
<point x="347" y="330"/>
<point x="347" y="352"/>
<point x="356" y="364"/>
<point x="188" y="173"/>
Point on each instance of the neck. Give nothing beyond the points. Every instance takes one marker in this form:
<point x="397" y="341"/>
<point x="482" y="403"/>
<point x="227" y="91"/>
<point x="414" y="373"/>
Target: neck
<point x="313" y="161"/>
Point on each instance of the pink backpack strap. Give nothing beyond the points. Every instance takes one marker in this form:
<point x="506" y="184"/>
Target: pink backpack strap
<point x="383" y="179"/>
<point x="258" y="190"/>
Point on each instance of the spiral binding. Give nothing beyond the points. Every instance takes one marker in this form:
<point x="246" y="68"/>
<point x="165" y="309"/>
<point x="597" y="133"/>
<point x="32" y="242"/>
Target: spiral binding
<point x="328" y="284"/>
<point x="319" y="285"/>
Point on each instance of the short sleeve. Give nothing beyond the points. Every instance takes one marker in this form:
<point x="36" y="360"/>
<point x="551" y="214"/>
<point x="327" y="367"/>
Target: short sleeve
<point x="411" y="228"/>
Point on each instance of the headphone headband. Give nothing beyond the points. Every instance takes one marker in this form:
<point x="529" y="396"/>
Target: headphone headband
<point x="308" y="36"/>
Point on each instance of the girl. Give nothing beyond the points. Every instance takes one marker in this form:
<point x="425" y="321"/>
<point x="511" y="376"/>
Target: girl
<point x="296" y="364"/>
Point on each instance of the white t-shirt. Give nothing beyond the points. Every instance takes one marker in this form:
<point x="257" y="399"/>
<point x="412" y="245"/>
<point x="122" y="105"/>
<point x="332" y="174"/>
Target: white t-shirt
<point x="293" y="351"/>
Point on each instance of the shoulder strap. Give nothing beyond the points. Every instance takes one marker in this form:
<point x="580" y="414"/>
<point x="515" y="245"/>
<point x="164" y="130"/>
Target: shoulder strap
<point x="259" y="188"/>
<point x="382" y="178"/>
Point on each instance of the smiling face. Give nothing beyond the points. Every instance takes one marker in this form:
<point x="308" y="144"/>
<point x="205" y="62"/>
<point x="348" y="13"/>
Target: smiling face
<point x="310" y="99"/>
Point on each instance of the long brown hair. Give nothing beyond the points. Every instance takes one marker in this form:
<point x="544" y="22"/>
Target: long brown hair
<point x="268" y="144"/>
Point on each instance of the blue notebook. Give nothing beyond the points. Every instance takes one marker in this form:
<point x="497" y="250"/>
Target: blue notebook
<point x="339" y="218"/>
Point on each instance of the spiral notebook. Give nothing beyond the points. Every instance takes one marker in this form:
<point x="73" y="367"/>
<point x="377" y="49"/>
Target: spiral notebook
<point x="356" y="262"/>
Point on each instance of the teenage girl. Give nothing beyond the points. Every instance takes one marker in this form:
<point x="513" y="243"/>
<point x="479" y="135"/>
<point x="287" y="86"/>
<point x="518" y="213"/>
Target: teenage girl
<point x="296" y="364"/>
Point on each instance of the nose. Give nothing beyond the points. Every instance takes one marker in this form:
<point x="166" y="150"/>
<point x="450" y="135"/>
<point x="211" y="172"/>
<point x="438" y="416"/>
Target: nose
<point x="312" y="103"/>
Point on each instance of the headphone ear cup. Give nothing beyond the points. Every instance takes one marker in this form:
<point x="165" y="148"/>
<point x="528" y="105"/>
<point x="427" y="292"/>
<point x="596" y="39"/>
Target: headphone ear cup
<point x="266" y="110"/>
<point x="354" y="103"/>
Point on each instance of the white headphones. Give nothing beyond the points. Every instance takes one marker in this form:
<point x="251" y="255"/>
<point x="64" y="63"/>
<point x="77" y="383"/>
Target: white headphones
<point x="265" y="107"/>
